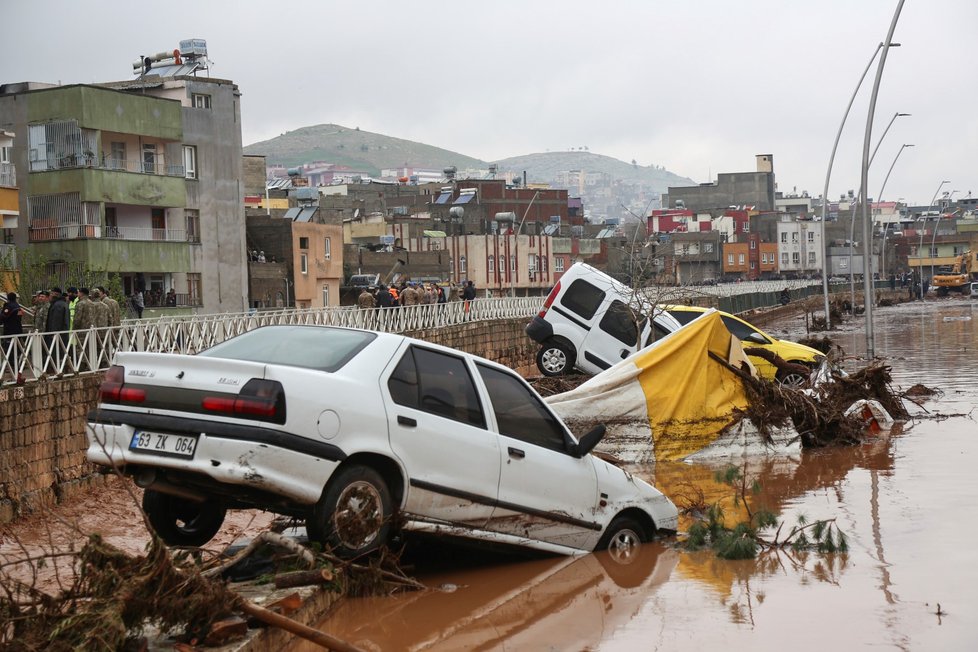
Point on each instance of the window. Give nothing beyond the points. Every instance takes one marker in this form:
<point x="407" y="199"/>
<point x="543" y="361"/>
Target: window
<point x="512" y="263"/>
<point x="708" y="247"/>
<point x="304" y="263"/>
<point x="811" y="257"/>
<point x="491" y="261"/>
<point x="738" y="329"/>
<point x="794" y="236"/>
<point x="193" y="225"/>
<point x="811" y="236"/>
<point x="200" y="101"/>
<point x="784" y="236"/>
<point x="190" y="161"/>
<point x="753" y="244"/>
<point x="685" y="249"/>
<point x="325" y="295"/>
<point x="437" y="383"/>
<point x="543" y="263"/>
<point x="559" y="264"/>
<point x="746" y="227"/>
<point x="582" y="298"/>
<point x="796" y="258"/>
<point x="462" y="265"/>
<point x="519" y="413"/>
<point x="118" y="156"/>
<point x="620" y="322"/>
<point x="327" y="249"/>
<point x="149" y="158"/>
<point x="730" y="259"/>
<point x="784" y="258"/>
<point x="4" y="154"/>
<point x="194" y="291"/>
<point x="740" y="259"/>
<point x="753" y="265"/>
<point x="531" y="262"/>
<point x="303" y="243"/>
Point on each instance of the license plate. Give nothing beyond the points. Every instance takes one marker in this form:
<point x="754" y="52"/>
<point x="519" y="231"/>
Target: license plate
<point x="162" y="444"/>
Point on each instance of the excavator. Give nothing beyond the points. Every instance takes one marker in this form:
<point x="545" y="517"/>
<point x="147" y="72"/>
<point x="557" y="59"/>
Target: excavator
<point x="958" y="278"/>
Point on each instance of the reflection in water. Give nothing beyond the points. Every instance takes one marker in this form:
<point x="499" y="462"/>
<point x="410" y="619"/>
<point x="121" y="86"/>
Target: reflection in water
<point x="899" y="498"/>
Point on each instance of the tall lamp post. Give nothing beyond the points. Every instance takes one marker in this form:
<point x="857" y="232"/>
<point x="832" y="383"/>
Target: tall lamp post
<point x="920" y="246"/>
<point x="861" y="198"/>
<point x="933" y="239"/>
<point x="867" y="227"/>
<point x="828" y="175"/>
<point x="880" y="195"/>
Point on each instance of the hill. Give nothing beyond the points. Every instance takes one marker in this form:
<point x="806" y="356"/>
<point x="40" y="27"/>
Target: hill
<point x="543" y="168"/>
<point x="361" y="150"/>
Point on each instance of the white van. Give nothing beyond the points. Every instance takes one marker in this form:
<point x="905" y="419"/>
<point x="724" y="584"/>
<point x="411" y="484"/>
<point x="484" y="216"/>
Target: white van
<point x="590" y="321"/>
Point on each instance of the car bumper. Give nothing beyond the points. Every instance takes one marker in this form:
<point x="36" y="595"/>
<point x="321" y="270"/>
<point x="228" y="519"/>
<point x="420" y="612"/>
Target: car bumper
<point x="539" y="330"/>
<point x="295" y="475"/>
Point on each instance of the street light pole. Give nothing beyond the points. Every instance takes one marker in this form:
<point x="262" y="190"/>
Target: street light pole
<point x="880" y="198"/>
<point x="920" y="246"/>
<point x="933" y="239"/>
<point x="867" y="230"/>
<point x="828" y="175"/>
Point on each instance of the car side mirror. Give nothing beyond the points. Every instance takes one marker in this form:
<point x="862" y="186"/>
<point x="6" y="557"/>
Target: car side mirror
<point x="587" y="443"/>
<point x="757" y="338"/>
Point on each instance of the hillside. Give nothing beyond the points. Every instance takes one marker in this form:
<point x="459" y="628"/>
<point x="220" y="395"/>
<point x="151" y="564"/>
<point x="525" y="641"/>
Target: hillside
<point x="361" y="150"/>
<point x="544" y="167"/>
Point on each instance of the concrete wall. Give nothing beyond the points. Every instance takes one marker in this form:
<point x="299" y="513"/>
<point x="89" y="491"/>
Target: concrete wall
<point x="43" y="442"/>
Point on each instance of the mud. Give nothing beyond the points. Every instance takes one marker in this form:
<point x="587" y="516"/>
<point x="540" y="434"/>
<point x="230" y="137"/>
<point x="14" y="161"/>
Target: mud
<point x="904" y="500"/>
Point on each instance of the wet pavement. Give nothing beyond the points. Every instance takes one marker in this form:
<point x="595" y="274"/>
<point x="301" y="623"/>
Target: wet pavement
<point x="905" y="501"/>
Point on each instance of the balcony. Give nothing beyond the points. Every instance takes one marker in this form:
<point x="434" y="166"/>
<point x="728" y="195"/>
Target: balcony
<point x="139" y="166"/>
<point x="8" y="175"/>
<point x="91" y="231"/>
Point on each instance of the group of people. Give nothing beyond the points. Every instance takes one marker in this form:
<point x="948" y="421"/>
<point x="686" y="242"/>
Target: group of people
<point x="413" y="294"/>
<point x="258" y="256"/>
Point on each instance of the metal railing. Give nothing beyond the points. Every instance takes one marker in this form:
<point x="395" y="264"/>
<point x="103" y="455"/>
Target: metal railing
<point x="157" y="166"/>
<point x="35" y="355"/>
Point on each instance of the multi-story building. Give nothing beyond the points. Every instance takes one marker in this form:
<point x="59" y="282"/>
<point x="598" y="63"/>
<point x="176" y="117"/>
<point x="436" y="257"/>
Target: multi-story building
<point x="747" y="189"/>
<point x="800" y="247"/>
<point x="137" y="178"/>
<point x="750" y="258"/>
<point x="9" y="212"/>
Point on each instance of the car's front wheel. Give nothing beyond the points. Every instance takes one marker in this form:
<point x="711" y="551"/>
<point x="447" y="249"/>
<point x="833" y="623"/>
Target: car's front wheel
<point x="622" y="536"/>
<point x="793" y="379"/>
<point x="353" y="517"/>
<point x="180" y="521"/>
<point x="554" y="359"/>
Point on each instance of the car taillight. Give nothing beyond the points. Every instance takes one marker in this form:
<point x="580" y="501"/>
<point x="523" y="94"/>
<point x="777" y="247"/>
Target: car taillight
<point x="549" y="301"/>
<point x="263" y="400"/>
<point x="113" y="388"/>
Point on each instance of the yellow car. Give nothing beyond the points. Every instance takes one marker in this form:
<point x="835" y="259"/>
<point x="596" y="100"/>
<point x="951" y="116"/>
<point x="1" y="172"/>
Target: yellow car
<point x="753" y="337"/>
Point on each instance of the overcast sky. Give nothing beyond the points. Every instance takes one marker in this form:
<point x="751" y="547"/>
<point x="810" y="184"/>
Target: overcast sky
<point x="697" y="86"/>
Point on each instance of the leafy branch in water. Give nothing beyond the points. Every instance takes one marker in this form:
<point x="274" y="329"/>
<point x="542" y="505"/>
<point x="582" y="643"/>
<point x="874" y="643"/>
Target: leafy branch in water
<point x="745" y="539"/>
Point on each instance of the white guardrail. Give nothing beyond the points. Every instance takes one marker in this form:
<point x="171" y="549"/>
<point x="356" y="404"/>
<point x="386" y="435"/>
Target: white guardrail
<point x="35" y="355"/>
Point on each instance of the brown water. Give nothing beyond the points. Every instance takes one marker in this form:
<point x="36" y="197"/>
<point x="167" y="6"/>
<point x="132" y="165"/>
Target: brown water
<point x="906" y="501"/>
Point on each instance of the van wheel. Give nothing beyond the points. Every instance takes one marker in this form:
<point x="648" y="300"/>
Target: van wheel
<point x="555" y="360"/>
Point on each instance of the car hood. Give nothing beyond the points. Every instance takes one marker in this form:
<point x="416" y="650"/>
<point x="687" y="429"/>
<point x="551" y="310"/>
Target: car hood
<point x="795" y="351"/>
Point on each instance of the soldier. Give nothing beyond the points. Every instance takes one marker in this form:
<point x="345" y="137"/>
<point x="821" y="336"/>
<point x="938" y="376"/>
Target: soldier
<point x="84" y="312"/>
<point x="409" y="296"/>
<point x="102" y="310"/>
<point x="41" y="310"/>
<point x="115" y="312"/>
<point x="72" y="302"/>
<point x="366" y="299"/>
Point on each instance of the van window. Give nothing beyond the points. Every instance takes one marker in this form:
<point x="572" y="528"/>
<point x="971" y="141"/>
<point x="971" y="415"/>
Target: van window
<point x="582" y="298"/>
<point x="620" y="322"/>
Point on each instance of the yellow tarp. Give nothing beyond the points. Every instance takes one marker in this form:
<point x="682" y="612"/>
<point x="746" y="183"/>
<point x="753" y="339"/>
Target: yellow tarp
<point x="673" y="390"/>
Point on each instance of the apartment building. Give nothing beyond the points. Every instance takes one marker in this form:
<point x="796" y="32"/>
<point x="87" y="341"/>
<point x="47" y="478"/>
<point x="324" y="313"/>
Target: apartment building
<point x="139" y="178"/>
<point x="800" y="247"/>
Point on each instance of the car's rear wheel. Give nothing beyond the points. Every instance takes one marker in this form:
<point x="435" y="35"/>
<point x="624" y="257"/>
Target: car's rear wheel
<point x="353" y="517"/>
<point x="554" y="359"/>
<point x="180" y="521"/>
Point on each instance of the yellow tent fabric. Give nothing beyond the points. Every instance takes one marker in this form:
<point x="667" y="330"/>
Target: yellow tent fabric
<point x="674" y="390"/>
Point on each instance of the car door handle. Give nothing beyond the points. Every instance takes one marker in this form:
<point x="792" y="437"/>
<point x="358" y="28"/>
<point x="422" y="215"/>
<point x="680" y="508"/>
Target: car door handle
<point x="406" y="421"/>
<point x="516" y="452"/>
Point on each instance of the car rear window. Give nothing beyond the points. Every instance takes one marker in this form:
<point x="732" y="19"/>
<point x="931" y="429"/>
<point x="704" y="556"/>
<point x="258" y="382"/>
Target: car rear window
<point x="325" y="349"/>
<point x="582" y="298"/>
<point x="684" y="316"/>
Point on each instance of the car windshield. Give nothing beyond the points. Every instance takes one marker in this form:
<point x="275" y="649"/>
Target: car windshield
<point x="325" y="349"/>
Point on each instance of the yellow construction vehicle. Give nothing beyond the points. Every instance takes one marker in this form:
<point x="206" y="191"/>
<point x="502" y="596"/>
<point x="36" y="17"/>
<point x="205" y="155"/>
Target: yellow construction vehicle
<point x="957" y="278"/>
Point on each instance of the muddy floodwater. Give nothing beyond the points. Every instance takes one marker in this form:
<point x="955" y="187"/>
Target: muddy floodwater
<point x="906" y="501"/>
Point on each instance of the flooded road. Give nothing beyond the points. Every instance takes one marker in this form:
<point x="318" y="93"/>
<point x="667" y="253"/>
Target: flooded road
<point x="906" y="502"/>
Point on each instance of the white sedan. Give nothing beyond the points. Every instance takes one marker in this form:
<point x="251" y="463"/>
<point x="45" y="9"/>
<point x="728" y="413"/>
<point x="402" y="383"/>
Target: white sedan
<point x="361" y="433"/>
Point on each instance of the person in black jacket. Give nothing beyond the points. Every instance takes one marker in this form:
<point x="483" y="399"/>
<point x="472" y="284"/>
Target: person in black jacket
<point x="58" y="322"/>
<point x="10" y="318"/>
<point x="384" y="299"/>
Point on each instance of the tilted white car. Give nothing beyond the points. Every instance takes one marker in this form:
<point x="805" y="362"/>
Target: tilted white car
<point x="360" y="433"/>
